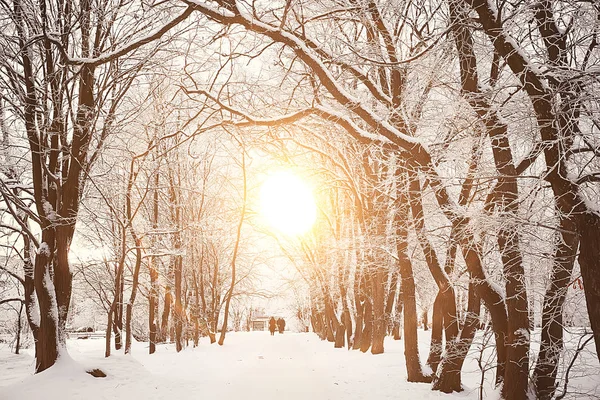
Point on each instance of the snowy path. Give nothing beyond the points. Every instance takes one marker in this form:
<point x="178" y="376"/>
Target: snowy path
<point x="249" y="366"/>
<point x="283" y="367"/>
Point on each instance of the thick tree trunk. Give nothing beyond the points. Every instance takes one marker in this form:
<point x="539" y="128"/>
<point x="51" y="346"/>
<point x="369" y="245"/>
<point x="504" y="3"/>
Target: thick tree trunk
<point x="447" y="301"/>
<point x="359" y="306"/>
<point x="63" y="278"/>
<point x="331" y="321"/>
<point x="346" y="320"/>
<point x="589" y="254"/>
<point x="390" y="299"/>
<point x="551" y="344"/>
<point x="379" y="317"/>
<point x="407" y="282"/>
<point x="517" y="367"/>
<point x="448" y="380"/>
<point x="164" y="325"/>
<point x="340" y="337"/>
<point x="435" y="347"/>
<point x="493" y="300"/>
<point x="366" y="336"/>
<point x="316" y="321"/>
<point x="31" y="306"/>
<point x="47" y="345"/>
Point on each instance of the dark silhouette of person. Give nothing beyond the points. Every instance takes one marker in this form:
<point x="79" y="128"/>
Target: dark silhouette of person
<point x="281" y="324"/>
<point x="272" y="326"/>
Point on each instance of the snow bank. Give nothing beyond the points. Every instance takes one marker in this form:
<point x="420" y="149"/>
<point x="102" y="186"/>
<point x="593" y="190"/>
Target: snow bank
<point x="251" y="366"/>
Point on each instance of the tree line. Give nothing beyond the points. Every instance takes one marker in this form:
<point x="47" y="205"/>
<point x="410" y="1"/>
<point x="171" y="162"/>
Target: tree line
<point x="461" y="136"/>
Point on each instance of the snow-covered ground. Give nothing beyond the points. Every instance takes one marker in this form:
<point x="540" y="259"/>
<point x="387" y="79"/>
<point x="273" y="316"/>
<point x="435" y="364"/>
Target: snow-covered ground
<point x="249" y="366"/>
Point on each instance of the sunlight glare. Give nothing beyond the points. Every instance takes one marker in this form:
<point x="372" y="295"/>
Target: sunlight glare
<point x="287" y="203"/>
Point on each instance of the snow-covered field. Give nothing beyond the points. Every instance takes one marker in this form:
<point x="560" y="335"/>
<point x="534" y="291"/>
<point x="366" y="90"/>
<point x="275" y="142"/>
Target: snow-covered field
<point x="249" y="366"/>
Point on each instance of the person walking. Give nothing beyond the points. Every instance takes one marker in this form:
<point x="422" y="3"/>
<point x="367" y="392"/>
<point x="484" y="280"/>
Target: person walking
<point x="281" y="325"/>
<point x="272" y="326"/>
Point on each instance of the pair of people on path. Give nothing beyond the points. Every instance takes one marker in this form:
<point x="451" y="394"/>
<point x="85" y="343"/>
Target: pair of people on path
<point x="279" y="325"/>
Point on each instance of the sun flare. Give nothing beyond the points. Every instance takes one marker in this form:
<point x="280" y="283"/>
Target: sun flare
<point x="287" y="203"/>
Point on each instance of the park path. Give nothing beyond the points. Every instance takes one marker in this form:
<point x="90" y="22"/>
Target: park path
<point x="249" y="366"/>
<point x="284" y="366"/>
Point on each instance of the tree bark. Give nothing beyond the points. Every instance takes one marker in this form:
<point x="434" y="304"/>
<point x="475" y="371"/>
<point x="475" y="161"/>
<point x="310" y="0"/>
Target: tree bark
<point x="447" y="301"/>
<point x="391" y="299"/>
<point x="19" y="325"/>
<point x="435" y="347"/>
<point x="554" y="126"/>
<point x="551" y="344"/>
<point x="117" y="320"/>
<point x="411" y="348"/>
<point x="448" y="380"/>
<point x="396" y="328"/>
<point x="517" y="368"/>
<point x="134" y="287"/>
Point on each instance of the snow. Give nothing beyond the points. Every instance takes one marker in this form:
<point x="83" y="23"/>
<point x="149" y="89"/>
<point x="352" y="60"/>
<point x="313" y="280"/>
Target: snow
<point x="250" y="365"/>
<point x="44" y="249"/>
<point x="591" y="204"/>
<point x="49" y="285"/>
<point x="34" y="311"/>
<point x="49" y="210"/>
<point x="522" y="333"/>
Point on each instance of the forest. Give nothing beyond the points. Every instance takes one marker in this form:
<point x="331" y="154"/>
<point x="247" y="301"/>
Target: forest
<point x="434" y="165"/>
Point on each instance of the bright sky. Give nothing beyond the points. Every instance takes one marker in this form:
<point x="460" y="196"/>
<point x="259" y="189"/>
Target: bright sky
<point x="287" y="203"/>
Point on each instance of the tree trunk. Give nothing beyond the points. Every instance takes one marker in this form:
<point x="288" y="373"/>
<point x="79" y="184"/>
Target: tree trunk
<point x="379" y="318"/>
<point x="153" y="304"/>
<point x="492" y="299"/>
<point x="107" y="336"/>
<point x="435" y="348"/>
<point x="589" y="254"/>
<point x="551" y="344"/>
<point x="118" y="314"/>
<point x="425" y="319"/>
<point x="134" y="287"/>
<point x="447" y="301"/>
<point x="18" y="338"/>
<point x="47" y="346"/>
<point x="449" y="380"/>
<point x="359" y="306"/>
<point x="391" y="298"/>
<point x="164" y="325"/>
<point x="366" y="336"/>
<point x="517" y="367"/>
<point x="396" y="328"/>
<point x="407" y="282"/>
<point x="178" y="307"/>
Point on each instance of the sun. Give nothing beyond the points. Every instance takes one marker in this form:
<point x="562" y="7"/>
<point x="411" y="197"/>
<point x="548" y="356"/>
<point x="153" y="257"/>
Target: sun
<point x="287" y="203"/>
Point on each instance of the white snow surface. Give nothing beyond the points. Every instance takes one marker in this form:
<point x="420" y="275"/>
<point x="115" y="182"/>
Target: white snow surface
<point x="44" y="249"/>
<point x="251" y="366"/>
